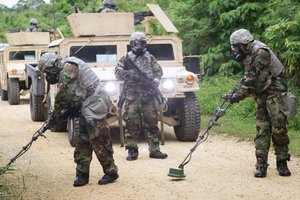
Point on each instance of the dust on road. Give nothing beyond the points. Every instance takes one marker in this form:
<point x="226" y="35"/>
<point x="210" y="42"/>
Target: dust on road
<point x="221" y="167"/>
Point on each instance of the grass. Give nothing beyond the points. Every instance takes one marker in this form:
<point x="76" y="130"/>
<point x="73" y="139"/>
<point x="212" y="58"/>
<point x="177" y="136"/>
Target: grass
<point x="239" y="119"/>
<point x="10" y="184"/>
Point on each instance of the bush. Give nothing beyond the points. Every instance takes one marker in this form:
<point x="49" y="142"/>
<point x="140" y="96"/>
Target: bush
<point x="210" y="97"/>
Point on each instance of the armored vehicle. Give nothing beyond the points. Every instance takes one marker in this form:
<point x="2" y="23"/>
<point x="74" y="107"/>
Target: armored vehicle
<point x="101" y="39"/>
<point x="24" y="47"/>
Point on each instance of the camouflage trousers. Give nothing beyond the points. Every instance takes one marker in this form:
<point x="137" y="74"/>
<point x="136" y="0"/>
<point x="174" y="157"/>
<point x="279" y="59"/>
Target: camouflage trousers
<point x="94" y="136"/>
<point x="271" y="124"/>
<point x="141" y="116"/>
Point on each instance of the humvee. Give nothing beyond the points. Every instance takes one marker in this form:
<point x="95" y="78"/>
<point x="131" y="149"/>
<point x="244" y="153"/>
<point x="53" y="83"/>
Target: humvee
<point x="24" y="47"/>
<point x="101" y="39"/>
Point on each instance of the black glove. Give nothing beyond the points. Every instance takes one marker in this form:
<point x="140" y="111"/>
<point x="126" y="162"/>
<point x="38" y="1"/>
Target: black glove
<point x="234" y="98"/>
<point x="135" y="77"/>
<point x="131" y="75"/>
<point x="70" y="112"/>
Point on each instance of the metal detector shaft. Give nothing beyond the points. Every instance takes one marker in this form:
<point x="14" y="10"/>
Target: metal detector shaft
<point x="35" y="136"/>
<point x="219" y="113"/>
<point x="25" y="148"/>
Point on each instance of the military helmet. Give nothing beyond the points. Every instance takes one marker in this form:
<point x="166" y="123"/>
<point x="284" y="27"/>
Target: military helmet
<point x="33" y="21"/>
<point x="138" y="36"/>
<point x="138" y="43"/>
<point x="241" y="36"/>
<point x="110" y="2"/>
<point x="47" y="60"/>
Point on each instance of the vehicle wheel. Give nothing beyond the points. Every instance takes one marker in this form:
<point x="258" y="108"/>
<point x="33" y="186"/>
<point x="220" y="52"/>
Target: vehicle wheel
<point x="61" y="125"/>
<point x="73" y="131"/>
<point x="3" y="94"/>
<point x="37" y="107"/>
<point x="189" y="116"/>
<point x="13" y="91"/>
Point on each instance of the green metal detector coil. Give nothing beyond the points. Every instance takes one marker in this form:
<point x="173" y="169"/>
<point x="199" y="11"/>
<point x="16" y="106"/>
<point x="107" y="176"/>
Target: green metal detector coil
<point x="176" y="173"/>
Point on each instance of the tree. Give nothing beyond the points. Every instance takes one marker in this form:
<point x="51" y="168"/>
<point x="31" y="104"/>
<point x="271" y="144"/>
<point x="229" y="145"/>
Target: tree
<point x="26" y="4"/>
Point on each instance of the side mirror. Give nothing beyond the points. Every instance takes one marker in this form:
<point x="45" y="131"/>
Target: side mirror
<point x="192" y="63"/>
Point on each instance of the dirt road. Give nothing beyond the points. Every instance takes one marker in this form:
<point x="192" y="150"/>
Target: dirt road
<point x="221" y="167"/>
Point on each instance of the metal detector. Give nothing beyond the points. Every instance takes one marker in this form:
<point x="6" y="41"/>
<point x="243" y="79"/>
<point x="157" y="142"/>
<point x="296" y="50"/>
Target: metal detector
<point x="178" y="173"/>
<point x="25" y="148"/>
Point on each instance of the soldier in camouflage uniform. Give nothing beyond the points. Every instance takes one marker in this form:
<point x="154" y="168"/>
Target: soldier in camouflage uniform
<point x="33" y="27"/>
<point x="79" y="88"/>
<point x="263" y="80"/>
<point x="109" y="6"/>
<point x="140" y="106"/>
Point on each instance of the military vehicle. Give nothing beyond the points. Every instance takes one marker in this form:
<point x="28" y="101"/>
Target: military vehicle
<point x="101" y="39"/>
<point x="24" y="47"/>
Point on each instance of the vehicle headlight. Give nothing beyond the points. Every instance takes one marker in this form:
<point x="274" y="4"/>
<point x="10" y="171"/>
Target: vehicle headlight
<point x="167" y="86"/>
<point x="110" y="88"/>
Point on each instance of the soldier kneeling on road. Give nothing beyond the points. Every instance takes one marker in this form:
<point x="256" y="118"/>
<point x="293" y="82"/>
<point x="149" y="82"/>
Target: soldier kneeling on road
<point x="79" y="88"/>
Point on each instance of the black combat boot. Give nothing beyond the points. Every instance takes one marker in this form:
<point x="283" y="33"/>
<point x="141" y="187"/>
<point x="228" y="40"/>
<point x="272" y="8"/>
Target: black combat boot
<point x="261" y="171"/>
<point x="81" y="179"/>
<point x="108" y="178"/>
<point x="282" y="168"/>
<point x="158" y="154"/>
<point x="132" y="154"/>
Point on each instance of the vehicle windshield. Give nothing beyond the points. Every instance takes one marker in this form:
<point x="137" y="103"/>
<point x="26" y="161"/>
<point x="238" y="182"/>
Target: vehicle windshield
<point x="95" y="54"/>
<point x="22" y="55"/>
<point x="159" y="51"/>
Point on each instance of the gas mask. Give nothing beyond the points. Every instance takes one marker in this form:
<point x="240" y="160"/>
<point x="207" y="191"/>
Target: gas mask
<point x="52" y="74"/>
<point x="238" y="52"/>
<point x="32" y="26"/>
<point x="52" y="78"/>
<point x="138" y="47"/>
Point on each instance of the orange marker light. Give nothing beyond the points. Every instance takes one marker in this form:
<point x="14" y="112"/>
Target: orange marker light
<point x="190" y="78"/>
<point x="13" y="70"/>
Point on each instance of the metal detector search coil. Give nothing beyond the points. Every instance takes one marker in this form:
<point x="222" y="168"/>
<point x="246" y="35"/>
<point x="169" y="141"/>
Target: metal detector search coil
<point x="178" y="173"/>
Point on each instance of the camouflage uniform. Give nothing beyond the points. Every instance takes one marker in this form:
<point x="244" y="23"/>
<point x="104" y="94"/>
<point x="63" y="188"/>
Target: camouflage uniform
<point x="140" y="105"/>
<point x="33" y="26"/>
<point x="109" y="6"/>
<point x="94" y="132"/>
<point x="264" y="80"/>
<point x="79" y="87"/>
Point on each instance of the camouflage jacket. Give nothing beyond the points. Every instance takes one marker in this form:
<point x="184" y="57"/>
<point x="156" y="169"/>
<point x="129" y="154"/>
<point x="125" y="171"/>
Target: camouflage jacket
<point x="79" y="87"/>
<point x="146" y="63"/>
<point x="66" y="95"/>
<point x="264" y="73"/>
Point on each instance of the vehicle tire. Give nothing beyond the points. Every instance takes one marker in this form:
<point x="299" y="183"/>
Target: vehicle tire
<point x="3" y="94"/>
<point x="61" y="125"/>
<point x="37" y="107"/>
<point x="73" y="131"/>
<point x="13" y="91"/>
<point x="189" y="116"/>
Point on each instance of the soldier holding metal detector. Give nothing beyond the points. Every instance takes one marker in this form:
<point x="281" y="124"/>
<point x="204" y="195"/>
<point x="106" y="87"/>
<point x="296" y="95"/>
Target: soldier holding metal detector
<point x="80" y="95"/>
<point x="141" y="73"/>
<point x="264" y="80"/>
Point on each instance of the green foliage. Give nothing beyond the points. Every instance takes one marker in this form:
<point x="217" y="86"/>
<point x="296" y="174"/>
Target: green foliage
<point x="204" y="26"/>
<point x="284" y="37"/>
<point x="210" y="97"/>
<point x="7" y="189"/>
